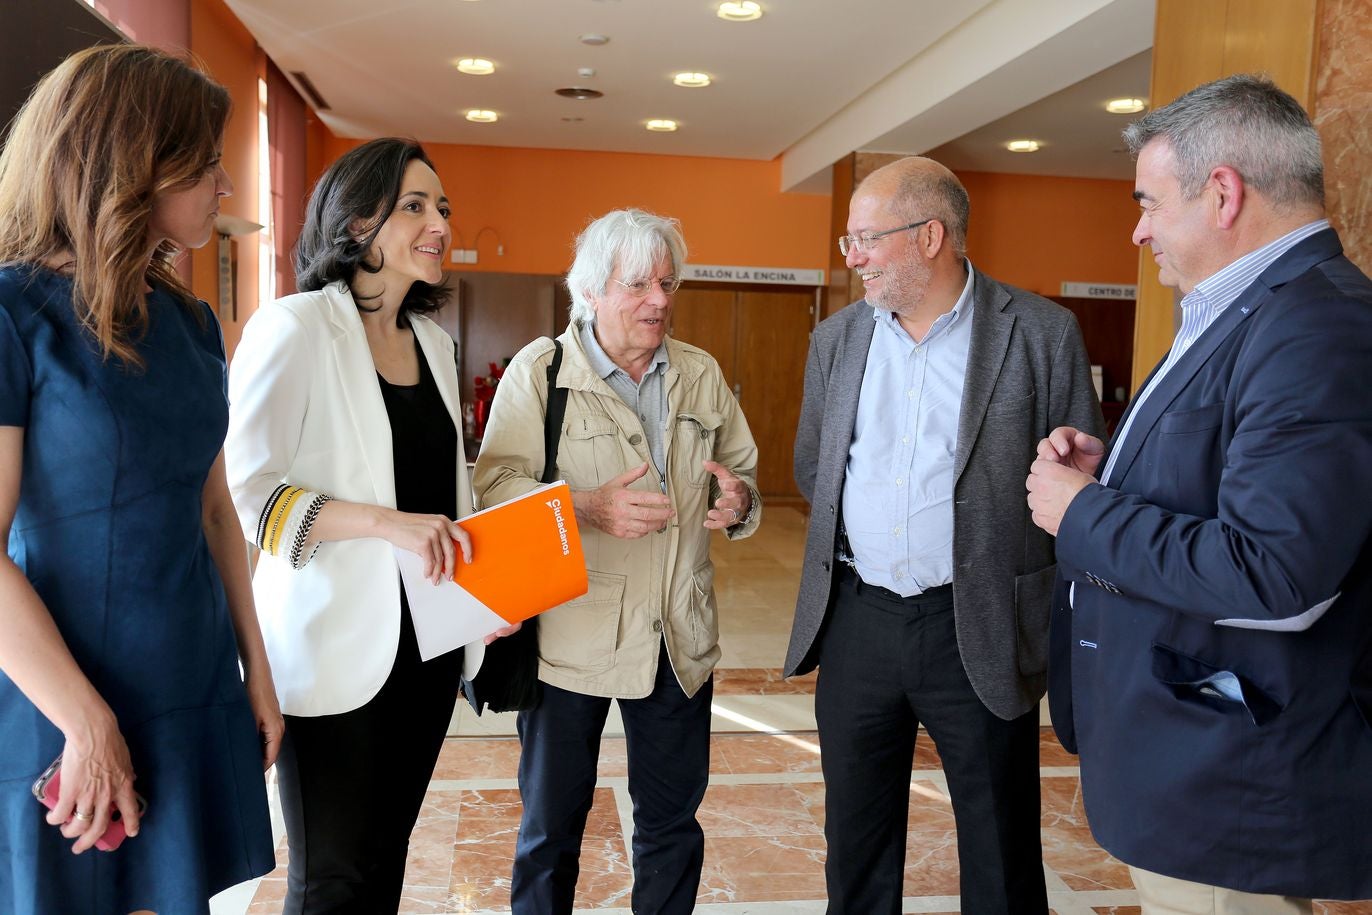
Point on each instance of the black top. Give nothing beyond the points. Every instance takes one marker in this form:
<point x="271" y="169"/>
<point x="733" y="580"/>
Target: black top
<point x="423" y="445"/>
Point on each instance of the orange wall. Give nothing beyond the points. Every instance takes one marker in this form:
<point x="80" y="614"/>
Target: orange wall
<point x="537" y="200"/>
<point x="1036" y="232"/>
<point x="232" y="57"/>
<point x="1031" y="231"/>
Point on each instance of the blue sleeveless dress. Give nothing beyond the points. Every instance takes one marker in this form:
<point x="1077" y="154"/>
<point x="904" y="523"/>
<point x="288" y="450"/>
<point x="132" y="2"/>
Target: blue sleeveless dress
<point x="108" y="530"/>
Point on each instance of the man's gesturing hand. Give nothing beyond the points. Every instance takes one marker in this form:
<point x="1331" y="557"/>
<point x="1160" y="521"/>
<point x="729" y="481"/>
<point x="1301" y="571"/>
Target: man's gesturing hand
<point x="734" y="498"/>
<point x="623" y="512"/>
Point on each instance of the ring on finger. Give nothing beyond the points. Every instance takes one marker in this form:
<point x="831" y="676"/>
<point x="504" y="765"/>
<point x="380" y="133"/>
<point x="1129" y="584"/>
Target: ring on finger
<point x="82" y="816"/>
<point x="734" y="512"/>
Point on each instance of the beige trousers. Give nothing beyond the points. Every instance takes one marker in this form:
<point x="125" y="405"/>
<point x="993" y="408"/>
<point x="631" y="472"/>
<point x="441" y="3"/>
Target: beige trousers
<point x="1161" y="895"/>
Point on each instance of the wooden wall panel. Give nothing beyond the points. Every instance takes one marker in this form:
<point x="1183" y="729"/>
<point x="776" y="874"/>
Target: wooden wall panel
<point x="501" y="313"/>
<point x="774" y="336"/>
<point x="837" y="292"/>
<point x="1194" y="43"/>
<point x="704" y="317"/>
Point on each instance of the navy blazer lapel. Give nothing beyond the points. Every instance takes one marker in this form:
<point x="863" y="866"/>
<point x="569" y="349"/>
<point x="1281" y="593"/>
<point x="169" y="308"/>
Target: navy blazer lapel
<point x="1305" y="255"/>
<point x="991" y="328"/>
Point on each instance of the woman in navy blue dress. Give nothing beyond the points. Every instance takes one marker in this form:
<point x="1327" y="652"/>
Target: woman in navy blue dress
<point x="125" y="604"/>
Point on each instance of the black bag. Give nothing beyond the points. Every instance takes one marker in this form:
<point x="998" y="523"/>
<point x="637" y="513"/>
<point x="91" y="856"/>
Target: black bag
<point x="508" y="678"/>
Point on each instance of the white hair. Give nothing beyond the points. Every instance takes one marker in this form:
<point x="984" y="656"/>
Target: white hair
<point x="632" y="240"/>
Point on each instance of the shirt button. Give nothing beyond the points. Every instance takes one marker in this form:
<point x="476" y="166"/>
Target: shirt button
<point x="635" y="439"/>
<point x="899" y="576"/>
<point x="657" y="625"/>
<point x="905" y="439"/>
<point x="900" y="481"/>
<point x="896" y="531"/>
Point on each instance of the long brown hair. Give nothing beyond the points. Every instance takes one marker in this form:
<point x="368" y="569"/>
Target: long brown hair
<point x="97" y="140"/>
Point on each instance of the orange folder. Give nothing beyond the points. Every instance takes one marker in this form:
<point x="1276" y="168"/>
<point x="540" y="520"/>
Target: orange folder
<point x="526" y="554"/>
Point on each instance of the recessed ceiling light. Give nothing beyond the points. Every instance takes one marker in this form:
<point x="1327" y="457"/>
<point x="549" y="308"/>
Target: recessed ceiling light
<point x="593" y="39"/>
<point x="661" y="125"/>
<point x="476" y="66"/>
<point x="739" y="10"/>
<point x="1023" y="146"/>
<point x="482" y="116"/>
<point x="692" y="80"/>
<point x="573" y="120"/>
<point x="1125" y="105"/>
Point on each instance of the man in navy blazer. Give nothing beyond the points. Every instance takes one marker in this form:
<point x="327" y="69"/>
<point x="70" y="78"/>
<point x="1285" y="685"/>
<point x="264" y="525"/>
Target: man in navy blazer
<point x="1213" y="665"/>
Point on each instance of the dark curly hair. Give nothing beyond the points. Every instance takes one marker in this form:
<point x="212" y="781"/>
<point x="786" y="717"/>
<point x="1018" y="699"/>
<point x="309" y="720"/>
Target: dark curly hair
<point x="362" y="186"/>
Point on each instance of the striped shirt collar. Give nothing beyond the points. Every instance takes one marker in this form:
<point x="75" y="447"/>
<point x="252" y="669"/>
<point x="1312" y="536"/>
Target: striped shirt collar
<point x="1203" y="305"/>
<point x="1221" y="289"/>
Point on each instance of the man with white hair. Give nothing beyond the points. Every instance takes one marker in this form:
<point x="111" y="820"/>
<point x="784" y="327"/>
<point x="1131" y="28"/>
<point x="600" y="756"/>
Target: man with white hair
<point x="1214" y="664"/>
<point x="658" y="454"/>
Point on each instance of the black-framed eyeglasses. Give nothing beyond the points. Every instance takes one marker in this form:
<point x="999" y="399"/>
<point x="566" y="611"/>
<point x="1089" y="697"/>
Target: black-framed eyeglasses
<point x="866" y="241"/>
<point x="640" y="288"/>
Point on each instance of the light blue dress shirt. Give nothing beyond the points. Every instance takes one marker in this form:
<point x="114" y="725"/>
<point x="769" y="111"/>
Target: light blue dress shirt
<point x="898" y="490"/>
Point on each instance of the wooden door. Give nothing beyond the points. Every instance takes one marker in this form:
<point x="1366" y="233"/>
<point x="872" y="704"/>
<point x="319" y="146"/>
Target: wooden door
<point x="773" y="339"/>
<point x="759" y="337"/>
<point x="705" y="318"/>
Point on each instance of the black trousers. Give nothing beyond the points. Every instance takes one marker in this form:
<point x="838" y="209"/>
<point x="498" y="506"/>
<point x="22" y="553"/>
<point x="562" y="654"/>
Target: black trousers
<point x="667" y="736"/>
<point x="352" y="786"/>
<point x="887" y="664"/>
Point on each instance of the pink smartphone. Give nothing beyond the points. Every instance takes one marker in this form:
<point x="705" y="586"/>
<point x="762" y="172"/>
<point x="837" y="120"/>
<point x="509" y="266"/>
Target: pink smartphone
<point x="48" y="786"/>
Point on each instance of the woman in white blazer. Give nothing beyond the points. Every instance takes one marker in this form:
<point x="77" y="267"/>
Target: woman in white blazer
<point x="344" y="442"/>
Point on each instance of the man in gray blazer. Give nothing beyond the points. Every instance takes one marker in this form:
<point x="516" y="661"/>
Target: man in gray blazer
<point x="924" y="596"/>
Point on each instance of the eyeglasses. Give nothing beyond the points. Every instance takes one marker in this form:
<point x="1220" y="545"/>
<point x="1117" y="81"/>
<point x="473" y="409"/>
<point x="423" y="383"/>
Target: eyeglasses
<point x="850" y="243"/>
<point x="640" y="288"/>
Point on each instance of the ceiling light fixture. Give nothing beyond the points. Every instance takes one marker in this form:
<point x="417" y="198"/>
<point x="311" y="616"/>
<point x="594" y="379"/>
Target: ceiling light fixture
<point x="1125" y="105"/>
<point x="476" y="66"/>
<point x="692" y="80"/>
<point x="1023" y="146"/>
<point x="482" y="116"/>
<point x="739" y="11"/>
<point x="578" y="92"/>
<point x="661" y="125"/>
<point x="594" y="40"/>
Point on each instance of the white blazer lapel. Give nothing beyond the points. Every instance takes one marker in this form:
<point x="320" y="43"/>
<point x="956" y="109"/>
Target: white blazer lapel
<point x="362" y="393"/>
<point x="438" y="352"/>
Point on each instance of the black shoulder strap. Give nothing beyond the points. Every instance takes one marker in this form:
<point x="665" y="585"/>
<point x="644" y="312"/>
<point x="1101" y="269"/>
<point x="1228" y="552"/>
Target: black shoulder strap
<point x="552" y="417"/>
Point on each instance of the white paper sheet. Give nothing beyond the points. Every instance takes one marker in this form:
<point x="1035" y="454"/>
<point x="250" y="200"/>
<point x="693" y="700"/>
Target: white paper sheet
<point x="445" y="616"/>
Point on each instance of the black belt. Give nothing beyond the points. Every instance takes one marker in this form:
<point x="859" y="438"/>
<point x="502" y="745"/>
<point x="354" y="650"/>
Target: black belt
<point x="848" y="573"/>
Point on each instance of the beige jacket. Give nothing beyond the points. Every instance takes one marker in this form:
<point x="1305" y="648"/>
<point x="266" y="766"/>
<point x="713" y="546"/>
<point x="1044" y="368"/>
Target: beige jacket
<point x="641" y="591"/>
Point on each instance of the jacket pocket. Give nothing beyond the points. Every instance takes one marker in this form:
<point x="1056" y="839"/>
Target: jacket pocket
<point x="704" y="616"/>
<point x="1200" y="682"/>
<point x="582" y="634"/>
<point x="591" y="453"/>
<point x="1033" y="602"/>
<point x="1200" y="419"/>
<point x="695" y="433"/>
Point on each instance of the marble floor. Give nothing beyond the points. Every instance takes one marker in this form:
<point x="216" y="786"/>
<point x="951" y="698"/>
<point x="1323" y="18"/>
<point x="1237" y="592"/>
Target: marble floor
<point x="764" y="811"/>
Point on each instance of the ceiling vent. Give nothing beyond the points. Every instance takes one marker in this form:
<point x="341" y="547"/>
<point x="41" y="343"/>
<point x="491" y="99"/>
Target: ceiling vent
<point x="579" y="92"/>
